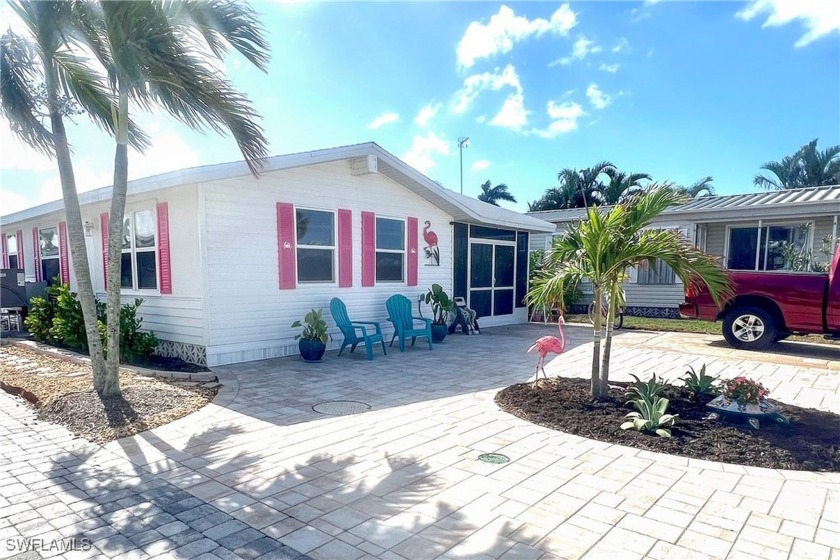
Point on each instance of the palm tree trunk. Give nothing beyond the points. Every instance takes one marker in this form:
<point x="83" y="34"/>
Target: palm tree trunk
<point x="605" y="361"/>
<point x="595" y="387"/>
<point x="76" y="234"/>
<point x="115" y="237"/>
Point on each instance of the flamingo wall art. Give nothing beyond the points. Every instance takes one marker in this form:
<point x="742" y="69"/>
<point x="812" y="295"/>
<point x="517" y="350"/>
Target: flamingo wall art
<point x="431" y="249"/>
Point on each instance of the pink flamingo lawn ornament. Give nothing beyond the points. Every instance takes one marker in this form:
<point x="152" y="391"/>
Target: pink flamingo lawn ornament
<point x="548" y="345"/>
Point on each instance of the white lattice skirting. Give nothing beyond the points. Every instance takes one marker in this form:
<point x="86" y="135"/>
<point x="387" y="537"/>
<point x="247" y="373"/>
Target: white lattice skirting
<point x="191" y="353"/>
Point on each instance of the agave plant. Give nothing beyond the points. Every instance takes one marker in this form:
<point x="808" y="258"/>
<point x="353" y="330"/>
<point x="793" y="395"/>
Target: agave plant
<point x="700" y="384"/>
<point x="651" y="417"/>
<point x="645" y="389"/>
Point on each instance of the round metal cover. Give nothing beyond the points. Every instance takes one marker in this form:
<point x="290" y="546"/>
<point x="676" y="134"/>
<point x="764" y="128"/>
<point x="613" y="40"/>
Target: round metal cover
<point x="493" y="458"/>
<point x="341" y="408"/>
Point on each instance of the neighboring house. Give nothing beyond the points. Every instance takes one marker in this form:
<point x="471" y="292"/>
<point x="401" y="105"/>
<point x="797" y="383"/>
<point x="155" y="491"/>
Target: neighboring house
<point x="225" y="262"/>
<point x="778" y="230"/>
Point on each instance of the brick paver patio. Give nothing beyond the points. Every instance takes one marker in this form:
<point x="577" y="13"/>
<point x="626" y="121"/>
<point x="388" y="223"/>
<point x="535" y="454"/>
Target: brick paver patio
<point x="258" y="473"/>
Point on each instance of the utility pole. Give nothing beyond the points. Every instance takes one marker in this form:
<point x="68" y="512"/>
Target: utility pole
<point x="463" y="142"/>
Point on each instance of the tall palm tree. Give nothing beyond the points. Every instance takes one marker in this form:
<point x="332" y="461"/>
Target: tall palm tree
<point x="808" y="167"/>
<point x="492" y="195"/>
<point x="152" y="58"/>
<point x="48" y="58"/>
<point x="606" y="244"/>
<point x="576" y="189"/>
<point x="622" y="185"/>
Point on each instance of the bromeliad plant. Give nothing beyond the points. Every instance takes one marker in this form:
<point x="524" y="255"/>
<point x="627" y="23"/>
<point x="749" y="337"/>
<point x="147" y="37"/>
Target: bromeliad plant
<point x="648" y="390"/>
<point x="700" y="384"/>
<point x="650" y="416"/>
<point x="744" y="390"/>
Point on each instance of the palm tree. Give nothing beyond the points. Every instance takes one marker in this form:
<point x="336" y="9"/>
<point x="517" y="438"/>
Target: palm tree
<point x="42" y="77"/>
<point x="149" y="50"/>
<point x="606" y="244"/>
<point x="703" y="187"/>
<point x="577" y="189"/>
<point x="492" y="195"/>
<point x="622" y="185"/>
<point x="808" y="167"/>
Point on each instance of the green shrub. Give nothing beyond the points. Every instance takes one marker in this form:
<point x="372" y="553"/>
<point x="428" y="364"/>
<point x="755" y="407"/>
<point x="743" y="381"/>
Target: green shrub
<point x="136" y="346"/>
<point x="650" y="416"/>
<point x="645" y="389"/>
<point x="39" y="320"/>
<point x="68" y="326"/>
<point x="700" y="384"/>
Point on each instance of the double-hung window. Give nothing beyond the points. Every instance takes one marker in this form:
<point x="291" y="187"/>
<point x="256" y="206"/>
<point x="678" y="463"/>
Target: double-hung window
<point x="12" y="252"/>
<point x="315" y="245"/>
<point x="390" y="250"/>
<point x="50" y="255"/>
<point x="139" y="251"/>
<point x="772" y="247"/>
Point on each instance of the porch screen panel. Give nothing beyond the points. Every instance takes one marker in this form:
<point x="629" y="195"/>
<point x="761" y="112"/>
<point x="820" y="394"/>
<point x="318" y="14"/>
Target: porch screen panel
<point x="521" y="268"/>
<point x="460" y="250"/>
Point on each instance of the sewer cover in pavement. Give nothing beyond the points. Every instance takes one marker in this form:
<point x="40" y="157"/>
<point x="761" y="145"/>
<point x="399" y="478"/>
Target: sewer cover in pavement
<point x="341" y="408"/>
<point x="493" y="458"/>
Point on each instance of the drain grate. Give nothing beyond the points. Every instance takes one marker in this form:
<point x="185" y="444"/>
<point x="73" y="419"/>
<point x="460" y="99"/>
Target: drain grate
<point x="341" y="408"/>
<point x="493" y="458"/>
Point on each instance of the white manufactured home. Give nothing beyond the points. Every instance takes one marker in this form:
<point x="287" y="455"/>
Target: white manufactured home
<point x="226" y="262"/>
<point x="794" y="229"/>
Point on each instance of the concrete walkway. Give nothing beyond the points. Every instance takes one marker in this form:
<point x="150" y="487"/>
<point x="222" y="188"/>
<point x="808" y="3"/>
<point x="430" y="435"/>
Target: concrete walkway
<point x="259" y="472"/>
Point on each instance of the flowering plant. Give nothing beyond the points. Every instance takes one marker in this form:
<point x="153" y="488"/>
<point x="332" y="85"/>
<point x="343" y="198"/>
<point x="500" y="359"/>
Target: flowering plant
<point x="744" y="390"/>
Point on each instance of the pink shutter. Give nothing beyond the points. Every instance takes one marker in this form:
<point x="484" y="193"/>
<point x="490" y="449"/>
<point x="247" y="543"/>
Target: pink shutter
<point x="286" y="253"/>
<point x="36" y="254"/>
<point x="64" y="260"/>
<point x="368" y="248"/>
<point x="21" y="261"/>
<point x="345" y="248"/>
<point x="3" y="240"/>
<point x="105" y="227"/>
<point x="412" y="252"/>
<point x="163" y="248"/>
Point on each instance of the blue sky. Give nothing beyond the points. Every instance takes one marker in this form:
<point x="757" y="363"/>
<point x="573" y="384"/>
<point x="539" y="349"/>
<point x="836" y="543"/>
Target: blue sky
<point x="679" y="90"/>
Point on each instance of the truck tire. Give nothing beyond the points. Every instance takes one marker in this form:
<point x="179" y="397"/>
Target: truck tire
<point x="749" y="327"/>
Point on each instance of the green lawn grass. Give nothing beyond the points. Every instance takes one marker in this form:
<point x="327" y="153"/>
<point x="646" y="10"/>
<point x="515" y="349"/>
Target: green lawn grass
<point x="687" y="325"/>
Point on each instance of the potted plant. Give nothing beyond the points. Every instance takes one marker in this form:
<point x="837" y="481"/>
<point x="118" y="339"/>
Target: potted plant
<point x="313" y="338"/>
<point x="442" y="305"/>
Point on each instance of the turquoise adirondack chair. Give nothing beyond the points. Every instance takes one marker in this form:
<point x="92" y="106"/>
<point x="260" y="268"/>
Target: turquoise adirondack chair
<point x="350" y="330"/>
<point x="399" y="313"/>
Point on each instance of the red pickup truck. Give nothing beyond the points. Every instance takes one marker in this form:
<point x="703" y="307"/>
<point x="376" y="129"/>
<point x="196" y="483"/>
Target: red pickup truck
<point x="769" y="306"/>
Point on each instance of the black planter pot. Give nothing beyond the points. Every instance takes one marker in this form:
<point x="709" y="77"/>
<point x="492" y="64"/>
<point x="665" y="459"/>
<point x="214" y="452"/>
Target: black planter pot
<point x="438" y="332"/>
<point x="311" y="350"/>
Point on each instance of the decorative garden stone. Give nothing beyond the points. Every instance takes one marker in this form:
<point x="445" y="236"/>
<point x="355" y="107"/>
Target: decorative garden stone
<point x="752" y="413"/>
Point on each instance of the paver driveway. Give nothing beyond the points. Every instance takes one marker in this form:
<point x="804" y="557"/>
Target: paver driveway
<point x="402" y="480"/>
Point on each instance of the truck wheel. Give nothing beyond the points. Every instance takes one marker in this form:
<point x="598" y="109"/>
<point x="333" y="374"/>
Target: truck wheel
<point x="749" y="328"/>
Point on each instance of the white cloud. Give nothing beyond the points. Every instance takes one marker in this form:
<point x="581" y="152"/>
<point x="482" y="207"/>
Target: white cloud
<point x="427" y="113"/>
<point x="422" y="150"/>
<point x="505" y="29"/>
<point x="475" y="84"/>
<point x="820" y="18"/>
<point x="611" y="68"/>
<point x="580" y="50"/>
<point x="383" y="119"/>
<point x="622" y="45"/>
<point x="480" y="165"/>
<point x="597" y="98"/>
<point x="19" y="156"/>
<point x="564" y="117"/>
<point x="513" y="114"/>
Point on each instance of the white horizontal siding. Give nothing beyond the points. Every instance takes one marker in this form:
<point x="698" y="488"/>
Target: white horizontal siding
<point x="178" y="319"/>
<point x="249" y="317"/>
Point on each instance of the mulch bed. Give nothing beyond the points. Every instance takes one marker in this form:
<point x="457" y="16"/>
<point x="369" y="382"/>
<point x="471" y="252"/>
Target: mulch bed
<point x="811" y="442"/>
<point x="62" y="392"/>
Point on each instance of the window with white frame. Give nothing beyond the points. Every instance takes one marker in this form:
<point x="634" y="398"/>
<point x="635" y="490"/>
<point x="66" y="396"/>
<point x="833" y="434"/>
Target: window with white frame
<point x="657" y="273"/>
<point x="315" y="244"/>
<point x="50" y="255"/>
<point x="770" y="247"/>
<point x="139" y="251"/>
<point x="390" y="250"/>
<point x="12" y="252"/>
